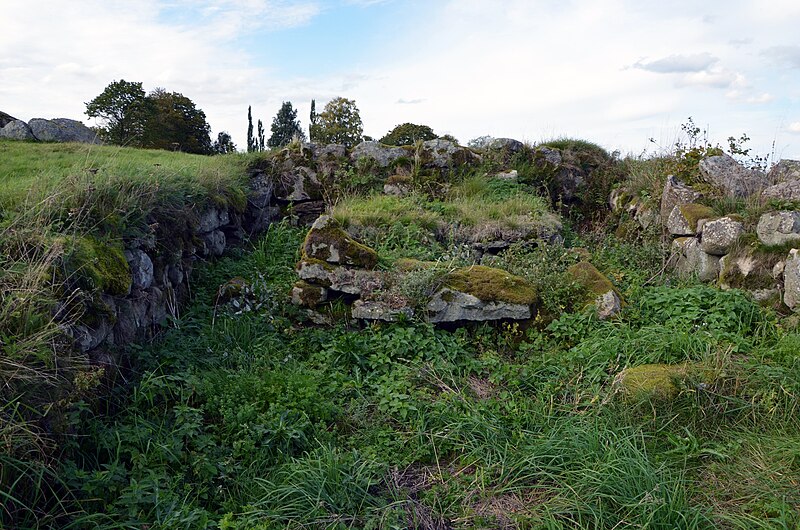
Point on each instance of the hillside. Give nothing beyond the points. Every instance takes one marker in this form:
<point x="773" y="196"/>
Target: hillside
<point x="513" y="337"/>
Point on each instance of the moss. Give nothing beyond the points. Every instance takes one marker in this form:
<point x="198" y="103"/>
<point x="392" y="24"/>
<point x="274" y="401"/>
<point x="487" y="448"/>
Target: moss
<point x="332" y="244"/>
<point x="659" y="381"/>
<point x="308" y="294"/>
<point x="693" y="212"/>
<point x="492" y="285"/>
<point x="233" y="288"/>
<point x="313" y="261"/>
<point x="96" y="265"/>
<point x="409" y="264"/>
<point x="594" y="281"/>
<point x="399" y="179"/>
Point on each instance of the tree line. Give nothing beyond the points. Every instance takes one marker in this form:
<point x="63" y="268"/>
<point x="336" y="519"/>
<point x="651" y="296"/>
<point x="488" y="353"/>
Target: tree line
<point x="169" y="120"/>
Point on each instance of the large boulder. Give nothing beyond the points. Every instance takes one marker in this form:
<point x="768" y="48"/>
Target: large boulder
<point x="17" y="130"/>
<point x="732" y="178"/>
<point x="444" y="154"/>
<point x="778" y="228"/>
<point x="5" y="119"/>
<point x="297" y="183"/>
<point x="784" y="178"/>
<point x="719" y="235"/>
<point x="480" y="293"/>
<point x="675" y="193"/>
<point x="508" y="145"/>
<point x="382" y="155"/>
<point x="328" y="242"/>
<point x="791" y="280"/>
<point x="62" y="130"/>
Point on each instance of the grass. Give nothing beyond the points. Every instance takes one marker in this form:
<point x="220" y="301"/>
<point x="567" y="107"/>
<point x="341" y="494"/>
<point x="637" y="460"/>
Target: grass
<point x="253" y="420"/>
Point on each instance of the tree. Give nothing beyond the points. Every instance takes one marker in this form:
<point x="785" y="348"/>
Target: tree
<point x="313" y="118"/>
<point x="340" y="123"/>
<point x="251" y="142"/>
<point x="285" y="126"/>
<point x="260" y="136"/>
<point x="175" y="123"/>
<point x="123" y="108"/>
<point x="224" y="144"/>
<point x="408" y="134"/>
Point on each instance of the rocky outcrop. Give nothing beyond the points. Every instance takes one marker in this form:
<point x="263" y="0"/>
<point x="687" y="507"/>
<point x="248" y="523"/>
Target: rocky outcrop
<point x="784" y="180"/>
<point x="778" y="228"/>
<point x="382" y="155"/>
<point x="328" y="242"/>
<point x="5" y="119"/>
<point x="689" y="260"/>
<point x="729" y="176"/>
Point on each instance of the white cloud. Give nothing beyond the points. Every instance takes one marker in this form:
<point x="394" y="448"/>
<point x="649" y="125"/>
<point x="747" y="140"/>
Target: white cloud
<point x="786" y="54"/>
<point x="698" y="62"/>
<point x="794" y="127"/>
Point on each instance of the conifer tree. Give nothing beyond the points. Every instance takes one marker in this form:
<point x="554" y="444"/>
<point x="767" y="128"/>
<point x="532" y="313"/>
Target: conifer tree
<point x="251" y="143"/>
<point x="285" y="126"/>
<point x="260" y="136"/>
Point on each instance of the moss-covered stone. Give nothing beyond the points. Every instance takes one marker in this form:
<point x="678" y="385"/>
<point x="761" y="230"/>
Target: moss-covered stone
<point x="410" y="264"/>
<point x="660" y="381"/>
<point x="693" y="212"/>
<point x="233" y="288"/>
<point x="96" y="265"/>
<point x="594" y="281"/>
<point x="308" y="295"/>
<point x="751" y="267"/>
<point x="492" y="285"/>
<point x="327" y="241"/>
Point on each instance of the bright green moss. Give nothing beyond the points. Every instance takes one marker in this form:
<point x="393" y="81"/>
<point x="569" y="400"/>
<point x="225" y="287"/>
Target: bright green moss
<point x="587" y="275"/>
<point x="659" y="381"/>
<point x="694" y="212"/>
<point x="332" y="244"/>
<point x="96" y="265"/>
<point x="492" y="285"/>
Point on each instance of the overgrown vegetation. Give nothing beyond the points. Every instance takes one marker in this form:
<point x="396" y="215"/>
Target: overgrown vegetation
<point x="245" y="415"/>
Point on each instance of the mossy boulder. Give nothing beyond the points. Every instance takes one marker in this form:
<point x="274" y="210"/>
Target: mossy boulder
<point x="599" y="289"/>
<point x="328" y="242"/>
<point x="751" y="268"/>
<point x="96" y="265"/>
<point x="659" y="381"/>
<point x="492" y="285"/>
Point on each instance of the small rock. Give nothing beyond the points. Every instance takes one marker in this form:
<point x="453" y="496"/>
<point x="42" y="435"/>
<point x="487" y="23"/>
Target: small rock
<point x="308" y="295"/>
<point x="327" y="241"/>
<point x="212" y="219"/>
<point x="778" y="228"/>
<point x="512" y="175"/>
<point x="719" y="235"/>
<point x="691" y="260"/>
<point x="213" y="243"/>
<point x="608" y="304"/>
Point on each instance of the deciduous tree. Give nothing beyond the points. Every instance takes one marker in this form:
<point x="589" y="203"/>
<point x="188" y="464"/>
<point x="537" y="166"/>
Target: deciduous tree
<point x="408" y="134"/>
<point x="123" y="109"/>
<point x="340" y="123"/>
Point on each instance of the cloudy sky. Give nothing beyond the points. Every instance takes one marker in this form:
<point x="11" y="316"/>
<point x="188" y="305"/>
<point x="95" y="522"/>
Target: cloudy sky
<point x="617" y="72"/>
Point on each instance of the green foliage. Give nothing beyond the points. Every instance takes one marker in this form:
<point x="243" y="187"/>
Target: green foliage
<point x="339" y="123"/>
<point x="252" y="141"/>
<point x="123" y="108"/>
<point x="285" y="127"/>
<point x="223" y="144"/>
<point x="408" y="134"/>
<point x="159" y="120"/>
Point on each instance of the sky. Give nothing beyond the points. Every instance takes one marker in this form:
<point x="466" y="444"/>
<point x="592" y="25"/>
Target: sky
<point x="622" y="73"/>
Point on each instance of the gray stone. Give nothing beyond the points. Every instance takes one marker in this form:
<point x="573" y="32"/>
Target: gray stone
<point x="678" y="225"/>
<point x="88" y="338"/>
<point x="508" y="145"/>
<point x="396" y="189"/>
<point x="784" y="171"/>
<point x="131" y="319"/>
<point x="357" y="282"/>
<point x="307" y="212"/>
<point x="687" y="219"/>
<point x="549" y="155"/>
<point x="5" y="119"/>
<point x="374" y="310"/>
<point x="327" y="151"/>
<point x="213" y="243"/>
<point x="448" y="305"/>
<point x="731" y="177"/>
<point x="675" y="193"/>
<point x="17" y="130"/>
<point x="791" y="280"/>
<point x="765" y="295"/>
<point x="787" y="190"/>
<point x="141" y="268"/>
<point x="444" y="154"/>
<point x="719" y="235"/>
<point x="301" y="296"/>
<point x="383" y="155"/>
<point x="213" y="219"/>
<point x="175" y="274"/>
<point x="297" y="183"/>
<point x="62" y="130"/>
<point x="608" y="304"/>
<point x="327" y="241"/>
<point x="778" y="228"/>
<point x="690" y="260"/>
